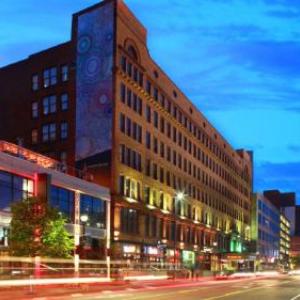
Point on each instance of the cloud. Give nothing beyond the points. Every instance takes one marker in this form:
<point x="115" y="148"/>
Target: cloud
<point x="282" y="176"/>
<point x="294" y="148"/>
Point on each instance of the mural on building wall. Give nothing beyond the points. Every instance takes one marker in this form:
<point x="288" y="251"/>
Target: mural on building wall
<point x="94" y="83"/>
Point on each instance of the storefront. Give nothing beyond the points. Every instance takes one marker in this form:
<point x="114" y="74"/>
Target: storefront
<point x="188" y="258"/>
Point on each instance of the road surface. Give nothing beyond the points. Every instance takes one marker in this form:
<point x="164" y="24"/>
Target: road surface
<point x="280" y="288"/>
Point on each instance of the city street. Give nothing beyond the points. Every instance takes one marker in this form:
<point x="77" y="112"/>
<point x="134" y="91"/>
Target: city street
<point x="281" y="288"/>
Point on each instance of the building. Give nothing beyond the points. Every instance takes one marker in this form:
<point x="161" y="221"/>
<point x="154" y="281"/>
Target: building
<point x="99" y="102"/>
<point x="24" y="174"/>
<point x="265" y="229"/>
<point x="285" y="241"/>
<point x="286" y="202"/>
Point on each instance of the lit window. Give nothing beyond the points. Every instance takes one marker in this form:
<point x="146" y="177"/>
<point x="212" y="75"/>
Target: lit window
<point x="35" y="82"/>
<point x="64" y="130"/>
<point x="64" y="102"/>
<point x="34" y="110"/>
<point x="49" y="105"/>
<point x="65" y="73"/>
<point x="50" y="77"/>
<point x="34" y="136"/>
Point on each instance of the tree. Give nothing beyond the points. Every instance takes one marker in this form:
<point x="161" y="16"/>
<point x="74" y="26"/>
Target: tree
<point x="37" y="229"/>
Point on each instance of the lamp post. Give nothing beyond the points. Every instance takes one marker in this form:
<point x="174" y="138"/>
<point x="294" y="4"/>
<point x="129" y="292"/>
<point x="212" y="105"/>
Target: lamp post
<point x="179" y="196"/>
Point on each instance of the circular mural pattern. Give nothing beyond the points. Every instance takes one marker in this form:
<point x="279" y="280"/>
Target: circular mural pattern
<point x="84" y="44"/>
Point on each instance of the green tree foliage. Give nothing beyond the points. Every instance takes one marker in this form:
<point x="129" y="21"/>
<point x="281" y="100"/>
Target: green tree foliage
<point x="38" y="229"/>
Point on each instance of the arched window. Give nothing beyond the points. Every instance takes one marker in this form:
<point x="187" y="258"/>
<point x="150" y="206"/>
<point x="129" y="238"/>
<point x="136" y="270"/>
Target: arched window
<point x="132" y="52"/>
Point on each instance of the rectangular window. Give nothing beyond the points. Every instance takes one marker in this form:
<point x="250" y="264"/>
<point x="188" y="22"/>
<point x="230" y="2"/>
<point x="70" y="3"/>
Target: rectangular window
<point x="64" y="73"/>
<point x="129" y="97"/>
<point x="129" y="220"/>
<point x="148" y="140"/>
<point x="34" y="110"/>
<point x="155" y="119"/>
<point x="148" y="87"/>
<point x="49" y="132"/>
<point x="155" y="94"/>
<point x="128" y="126"/>
<point x="123" y="63"/>
<point x="141" y="79"/>
<point x="122" y="123"/>
<point x="140" y="107"/>
<point x="148" y="114"/>
<point x="123" y="92"/>
<point x="64" y="130"/>
<point x="135" y="74"/>
<point x="35" y="82"/>
<point x="64" y="102"/>
<point x="34" y="136"/>
<point x="155" y="145"/>
<point x="49" y="105"/>
<point x="50" y="77"/>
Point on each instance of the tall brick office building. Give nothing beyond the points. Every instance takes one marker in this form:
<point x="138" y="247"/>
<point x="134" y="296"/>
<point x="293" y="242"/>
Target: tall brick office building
<point x="100" y="103"/>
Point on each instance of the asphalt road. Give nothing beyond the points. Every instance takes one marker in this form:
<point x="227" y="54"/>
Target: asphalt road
<point x="281" y="288"/>
<point x="287" y="288"/>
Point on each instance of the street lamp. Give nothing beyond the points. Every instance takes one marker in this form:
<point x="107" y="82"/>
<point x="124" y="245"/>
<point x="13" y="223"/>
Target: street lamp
<point x="84" y="218"/>
<point x="179" y="196"/>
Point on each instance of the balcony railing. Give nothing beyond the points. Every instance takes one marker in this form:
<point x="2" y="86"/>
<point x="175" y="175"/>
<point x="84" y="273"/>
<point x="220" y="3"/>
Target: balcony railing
<point x="42" y="160"/>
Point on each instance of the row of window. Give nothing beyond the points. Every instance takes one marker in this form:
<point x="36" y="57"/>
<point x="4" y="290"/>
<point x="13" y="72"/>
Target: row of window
<point x="50" y="105"/>
<point x="49" y="132"/>
<point x="157" y="199"/>
<point x="50" y="77"/>
<point x="130" y="128"/>
<point x="176" y="136"/>
<point x="177" y="114"/>
<point x="156" y="227"/>
<point x="131" y="158"/>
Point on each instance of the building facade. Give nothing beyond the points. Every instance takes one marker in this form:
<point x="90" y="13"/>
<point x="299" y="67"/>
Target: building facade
<point x="285" y="241"/>
<point x="266" y="232"/>
<point x="99" y="102"/>
<point x="25" y="174"/>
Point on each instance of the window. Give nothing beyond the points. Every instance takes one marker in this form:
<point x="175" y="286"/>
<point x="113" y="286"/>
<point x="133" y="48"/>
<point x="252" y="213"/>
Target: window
<point x="49" y="105"/>
<point x="148" y="140"/>
<point x="49" y="132"/>
<point x="35" y="82"/>
<point x="63" y="130"/>
<point x="63" y="200"/>
<point x="13" y="188"/>
<point x="148" y="87"/>
<point x="64" y="73"/>
<point x="155" y="119"/>
<point x="129" y="220"/>
<point x="123" y="63"/>
<point x="50" y="77"/>
<point x="123" y="92"/>
<point x="148" y="113"/>
<point x="34" y="110"/>
<point x="34" y="136"/>
<point x="95" y="209"/>
<point x="64" y="102"/>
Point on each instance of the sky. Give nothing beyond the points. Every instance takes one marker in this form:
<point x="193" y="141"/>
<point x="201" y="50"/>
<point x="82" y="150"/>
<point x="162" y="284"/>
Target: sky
<point x="237" y="60"/>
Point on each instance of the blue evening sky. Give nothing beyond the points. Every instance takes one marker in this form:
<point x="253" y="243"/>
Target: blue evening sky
<point x="237" y="60"/>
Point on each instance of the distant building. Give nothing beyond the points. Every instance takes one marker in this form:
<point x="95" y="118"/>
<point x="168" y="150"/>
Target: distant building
<point x="285" y="241"/>
<point x="286" y="202"/>
<point x="265" y="229"/>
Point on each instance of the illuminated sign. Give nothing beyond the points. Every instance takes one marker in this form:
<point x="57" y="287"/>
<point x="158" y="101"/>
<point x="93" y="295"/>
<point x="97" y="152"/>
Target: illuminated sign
<point x="130" y="249"/>
<point x="31" y="156"/>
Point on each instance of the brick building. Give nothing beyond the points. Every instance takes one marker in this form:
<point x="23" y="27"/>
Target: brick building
<point x="100" y="103"/>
